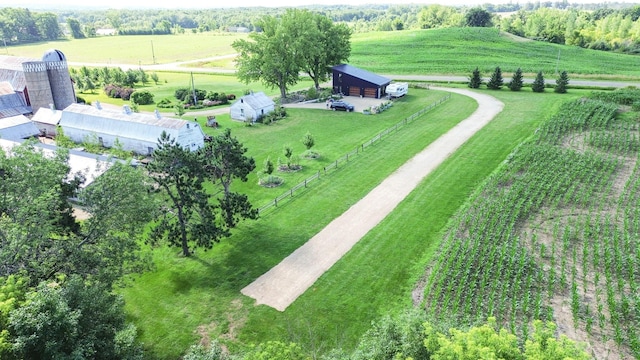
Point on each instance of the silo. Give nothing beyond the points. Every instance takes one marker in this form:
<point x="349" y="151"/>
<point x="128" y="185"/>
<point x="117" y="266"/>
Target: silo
<point x="59" y="78"/>
<point x="38" y="86"/>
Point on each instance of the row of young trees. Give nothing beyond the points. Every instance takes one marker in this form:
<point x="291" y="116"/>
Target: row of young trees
<point x="57" y="274"/>
<point x="496" y="81"/>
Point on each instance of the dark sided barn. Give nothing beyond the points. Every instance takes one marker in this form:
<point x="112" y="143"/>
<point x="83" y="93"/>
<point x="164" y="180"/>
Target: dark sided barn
<point x="352" y="81"/>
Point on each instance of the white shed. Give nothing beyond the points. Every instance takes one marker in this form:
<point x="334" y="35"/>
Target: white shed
<point x="251" y="107"/>
<point x="17" y="127"/>
<point x="135" y="132"/>
<point x="47" y="121"/>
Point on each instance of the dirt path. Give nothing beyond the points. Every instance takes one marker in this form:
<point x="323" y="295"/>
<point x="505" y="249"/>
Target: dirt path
<point x="281" y="286"/>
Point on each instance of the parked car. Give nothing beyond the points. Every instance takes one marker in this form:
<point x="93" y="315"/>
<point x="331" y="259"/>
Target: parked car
<point x="341" y="105"/>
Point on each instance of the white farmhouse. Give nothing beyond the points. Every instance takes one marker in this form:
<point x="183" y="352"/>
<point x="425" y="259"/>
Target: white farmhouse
<point x="135" y="132"/>
<point x="251" y="107"/>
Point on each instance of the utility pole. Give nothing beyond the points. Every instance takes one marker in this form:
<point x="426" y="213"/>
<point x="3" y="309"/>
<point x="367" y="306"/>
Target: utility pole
<point x="153" y="54"/>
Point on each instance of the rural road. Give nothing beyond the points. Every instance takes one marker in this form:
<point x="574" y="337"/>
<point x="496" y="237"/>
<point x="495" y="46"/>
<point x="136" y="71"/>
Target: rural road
<point x="284" y="283"/>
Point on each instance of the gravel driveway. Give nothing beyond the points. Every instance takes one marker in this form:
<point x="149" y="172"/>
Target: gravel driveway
<point x="281" y="286"/>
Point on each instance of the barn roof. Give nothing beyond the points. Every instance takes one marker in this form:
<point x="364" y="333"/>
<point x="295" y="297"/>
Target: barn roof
<point x="91" y="165"/>
<point x="257" y="100"/>
<point x="47" y="116"/>
<point x="17" y="127"/>
<point x="146" y="127"/>
<point x="362" y="74"/>
<point x="11" y="71"/>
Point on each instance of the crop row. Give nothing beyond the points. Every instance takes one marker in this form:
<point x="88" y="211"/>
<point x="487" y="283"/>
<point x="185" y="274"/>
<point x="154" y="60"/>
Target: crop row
<point x="557" y="225"/>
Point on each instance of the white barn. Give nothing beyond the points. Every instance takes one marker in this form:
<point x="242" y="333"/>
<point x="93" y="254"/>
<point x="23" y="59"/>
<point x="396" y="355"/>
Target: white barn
<point x="47" y="120"/>
<point x="17" y="128"/>
<point x="135" y="132"/>
<point x="251" y="107"/>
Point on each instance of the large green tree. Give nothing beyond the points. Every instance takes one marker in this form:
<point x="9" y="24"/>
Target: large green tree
<point x="225" y="161"/>
<point x="191" y="217"/>
<point x="39" y="235"/>
<point x="477" y="17"/>
<point x="71" y="320"/>
<point x="48" y="26"/>
<point x="294" y="42"/>
<point x="329" y="45"/>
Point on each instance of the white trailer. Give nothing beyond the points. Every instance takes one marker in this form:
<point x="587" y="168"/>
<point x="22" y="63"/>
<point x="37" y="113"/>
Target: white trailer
<point x="397" y="89"/>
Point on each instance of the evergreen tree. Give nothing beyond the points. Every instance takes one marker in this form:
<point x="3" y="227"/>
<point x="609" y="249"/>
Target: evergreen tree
<point x="538" y="83"/>
<point x="496" y="81"/>
<point x="475" y="80"/>
<point x="516" y="81"/>
<point x="561" y="83"/>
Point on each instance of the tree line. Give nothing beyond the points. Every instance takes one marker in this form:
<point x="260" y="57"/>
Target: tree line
<point x="559" y="21"/>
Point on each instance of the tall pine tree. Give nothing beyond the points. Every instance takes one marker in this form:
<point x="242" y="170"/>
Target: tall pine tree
<point x="538" y="83"/>
<point x="516" y="81"/>
<point x="496" y="81"/>
<point x="561" y="83"/>
<point x="475" y="80"/>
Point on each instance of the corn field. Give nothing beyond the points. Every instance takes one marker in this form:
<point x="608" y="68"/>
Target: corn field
<point x="553" y="234"/>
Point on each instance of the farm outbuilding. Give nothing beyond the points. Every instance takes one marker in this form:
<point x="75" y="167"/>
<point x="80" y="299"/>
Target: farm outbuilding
<point x="251" y="107"/>
<point x="135" y="132"/>
<point x="17" y="128"/>
<point x="352" y="81"/>
<point x="47" y="120"/>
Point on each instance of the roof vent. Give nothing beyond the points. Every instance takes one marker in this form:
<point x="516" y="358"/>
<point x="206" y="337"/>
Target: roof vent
<point x="52" y="108"/>
<point x="158" y="116"/>
<point x="98" y="105"/>
<point x="126" y="109"/>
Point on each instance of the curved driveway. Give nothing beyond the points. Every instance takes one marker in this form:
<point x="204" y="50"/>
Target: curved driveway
<point x="281" y="286"/>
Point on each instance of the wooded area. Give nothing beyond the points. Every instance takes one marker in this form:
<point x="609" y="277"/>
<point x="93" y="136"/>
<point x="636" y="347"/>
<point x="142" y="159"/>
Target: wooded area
<point x="611" y="26"/>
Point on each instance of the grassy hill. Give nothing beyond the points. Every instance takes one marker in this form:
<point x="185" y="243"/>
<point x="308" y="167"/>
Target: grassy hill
<point x="460" y="50"/>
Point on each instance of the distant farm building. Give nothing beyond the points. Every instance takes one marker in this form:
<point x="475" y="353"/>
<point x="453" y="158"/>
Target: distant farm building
<point x="28" y="84"/>
<point x="252" y="107"/>
<point x="134" y="132"/>
<point x="17" y="128"/>
<point x="352" y="81"/>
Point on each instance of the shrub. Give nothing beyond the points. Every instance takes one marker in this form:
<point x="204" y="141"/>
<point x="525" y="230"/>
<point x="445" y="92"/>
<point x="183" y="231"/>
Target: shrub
<point x="118" y="92"/>
<point x="142" y="97"/>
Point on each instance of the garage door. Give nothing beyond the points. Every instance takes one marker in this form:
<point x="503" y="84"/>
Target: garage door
<point x="354" y="91"/>
<point x="371" y="92"/>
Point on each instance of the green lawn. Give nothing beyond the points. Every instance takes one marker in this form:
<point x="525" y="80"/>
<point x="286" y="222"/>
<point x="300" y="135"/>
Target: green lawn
<point x="183" y="295"/>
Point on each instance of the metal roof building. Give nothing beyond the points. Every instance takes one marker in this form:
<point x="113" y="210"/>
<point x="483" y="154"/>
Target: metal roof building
<point x="353" y="81"/>
<point x="136" y="132"/>
<point x="17" y="128"/>
<point x="90" y="165"/>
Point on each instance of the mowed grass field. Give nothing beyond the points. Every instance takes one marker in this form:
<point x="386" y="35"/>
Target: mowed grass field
<point x="188" y="300"/>
<point x="435" y="51"/>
